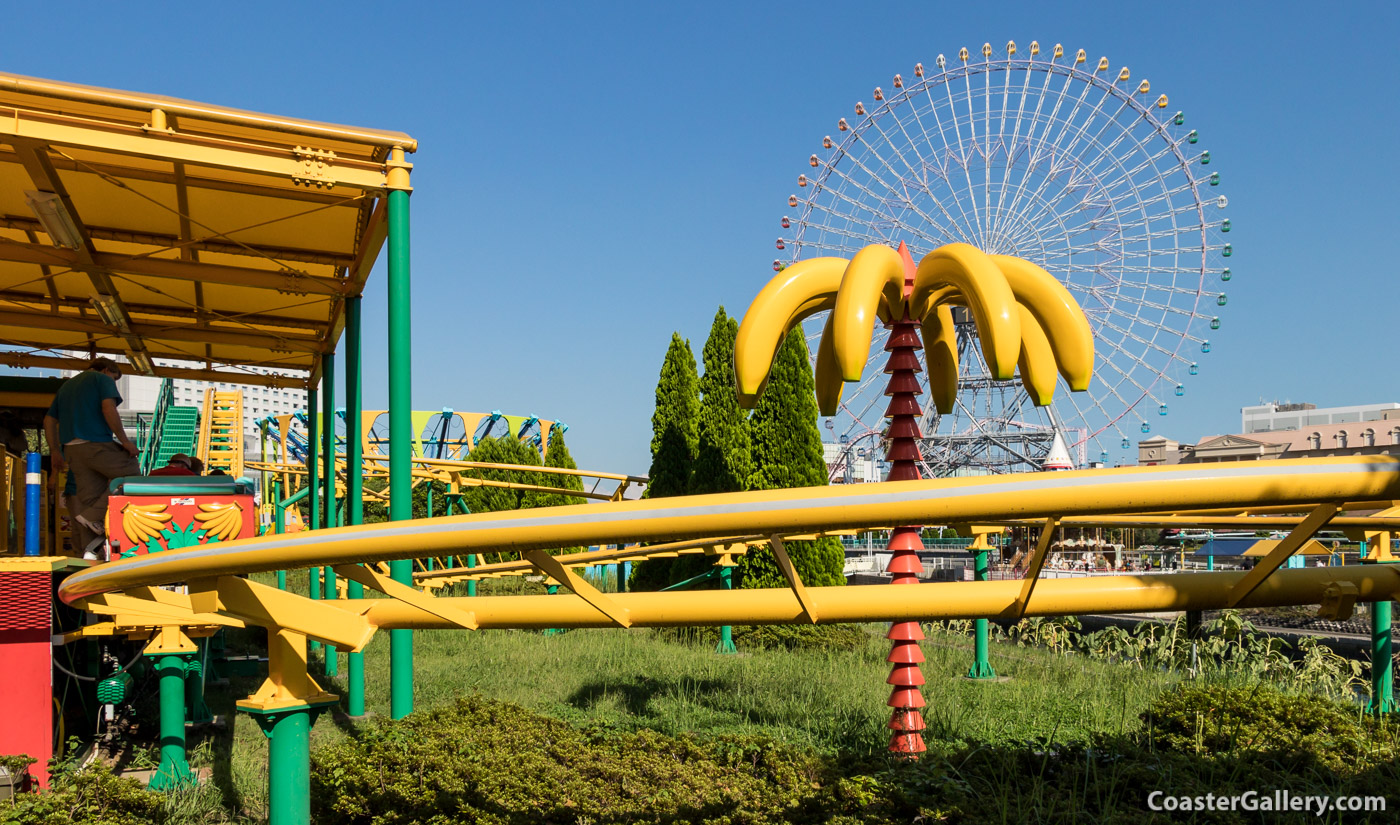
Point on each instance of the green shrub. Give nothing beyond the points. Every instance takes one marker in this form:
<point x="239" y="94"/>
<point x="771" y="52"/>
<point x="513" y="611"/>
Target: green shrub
<point x="484" y="761"/>
<point x="92" y="795"/>
<point x="1211" y="720"/>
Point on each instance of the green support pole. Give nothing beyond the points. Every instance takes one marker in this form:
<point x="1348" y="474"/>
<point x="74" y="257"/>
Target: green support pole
<point x="624" y="573"/>
<point x="981" y="667"/>
<point x="471" y="583"/>
<point x="313" y="487"/>
<point x="279" y="525"/>
<point x="328" y="478"/>
<point x="288" y="763"/>
<point x="354" y="480"/>
<point x="400" y="421"/>
<point x="174" y="771"/>
<point x="1382" y="678"/>
<point x="726" y="633"/>
<point x="1210" y="562"/>
<point x="1382" y="665"/>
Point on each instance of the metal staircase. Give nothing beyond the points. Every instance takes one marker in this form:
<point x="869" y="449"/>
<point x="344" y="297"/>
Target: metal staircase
<point x="221" y="432"/>
<point x="173" y="430"/>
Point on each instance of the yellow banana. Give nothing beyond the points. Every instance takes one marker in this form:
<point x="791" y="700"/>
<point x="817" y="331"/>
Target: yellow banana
<point x="801" y="290"/>
<point x="828" y="373"/>
<point x="143" y="522"/>
<point x="874" y="273"/>
<point x="1037" y="361"/>
<point x="1060" y="317"/>
<point x="220" y="521"/>
<point x="941" y="357"/>
<point x="987" y="295"/>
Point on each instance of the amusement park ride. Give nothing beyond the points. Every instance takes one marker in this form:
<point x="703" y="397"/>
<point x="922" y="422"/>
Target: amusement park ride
<point x="219" y="238"/>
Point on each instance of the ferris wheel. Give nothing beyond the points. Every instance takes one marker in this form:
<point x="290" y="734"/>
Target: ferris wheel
<point x="1051" y="156"/>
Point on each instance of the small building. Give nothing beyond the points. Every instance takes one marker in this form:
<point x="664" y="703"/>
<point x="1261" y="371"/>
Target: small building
<point x="1372" y="429"/>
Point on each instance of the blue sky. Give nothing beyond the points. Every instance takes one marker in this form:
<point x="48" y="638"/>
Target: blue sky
<point x="592" y="177"/>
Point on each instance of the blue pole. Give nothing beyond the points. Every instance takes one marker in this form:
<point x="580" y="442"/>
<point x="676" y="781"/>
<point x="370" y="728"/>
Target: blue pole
<point x="32" y="489"/>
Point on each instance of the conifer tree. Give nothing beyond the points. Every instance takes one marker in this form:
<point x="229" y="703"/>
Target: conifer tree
<point x="672" y="442"/>
<point x="786" y="449"/>
<point x="722" y="461"/>
<point x="673" y="422"/>
<point x="557" y="455"/>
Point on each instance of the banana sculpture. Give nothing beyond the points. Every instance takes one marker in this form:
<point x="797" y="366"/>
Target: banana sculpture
<point x="143" y="522"/>
<point x="220" y="521"/>
<point x="1025" y="319"/>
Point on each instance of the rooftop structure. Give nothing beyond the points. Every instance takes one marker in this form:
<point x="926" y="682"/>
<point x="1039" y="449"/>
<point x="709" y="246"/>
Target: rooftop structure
<point x="1272" y="417"/>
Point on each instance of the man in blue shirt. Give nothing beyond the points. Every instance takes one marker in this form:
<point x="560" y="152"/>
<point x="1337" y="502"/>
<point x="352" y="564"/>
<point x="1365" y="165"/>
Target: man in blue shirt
<point x="86" y="436"/>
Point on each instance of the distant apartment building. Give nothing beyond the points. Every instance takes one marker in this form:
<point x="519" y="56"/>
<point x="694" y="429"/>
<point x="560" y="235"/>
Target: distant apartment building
<point x="1288" y="431"/>
<point x="852" y="466"/>
<point x="1266" y="418"/>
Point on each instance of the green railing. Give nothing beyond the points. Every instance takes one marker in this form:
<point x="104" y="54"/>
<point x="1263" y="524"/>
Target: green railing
<point x="150" y="447"/>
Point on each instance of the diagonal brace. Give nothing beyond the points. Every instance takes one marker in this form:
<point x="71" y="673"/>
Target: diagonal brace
<point x="794" y="581"/>
<point x="1320" y="515"/>
<point x="408" y="595"/>
<point x="1037" y="561"/>
<point x="551" y="566"/>
<point x="258" y="604"/>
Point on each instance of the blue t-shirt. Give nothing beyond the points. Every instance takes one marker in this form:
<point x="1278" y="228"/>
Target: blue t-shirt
<point x="78" y="407"/>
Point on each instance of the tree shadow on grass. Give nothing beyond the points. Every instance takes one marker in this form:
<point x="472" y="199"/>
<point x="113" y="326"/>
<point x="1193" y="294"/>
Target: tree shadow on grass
<point x="636" y="694"/>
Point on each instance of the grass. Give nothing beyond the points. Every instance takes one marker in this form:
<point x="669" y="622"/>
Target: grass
<point x="832" y="703"/>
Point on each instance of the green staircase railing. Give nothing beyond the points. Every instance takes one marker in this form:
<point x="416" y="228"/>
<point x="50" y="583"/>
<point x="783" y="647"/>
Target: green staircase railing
<point x="173" y="430"/>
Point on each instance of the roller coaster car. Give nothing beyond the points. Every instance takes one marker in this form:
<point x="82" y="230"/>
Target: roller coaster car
<point x="151" y="514"/>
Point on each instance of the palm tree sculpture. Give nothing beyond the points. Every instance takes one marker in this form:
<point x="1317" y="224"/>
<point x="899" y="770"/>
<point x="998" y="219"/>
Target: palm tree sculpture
<point x="1024" y="318"/>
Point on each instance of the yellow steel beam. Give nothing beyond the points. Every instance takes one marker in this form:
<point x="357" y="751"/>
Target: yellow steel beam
<point x="22" y="359"/>
<point x="1042" y="548"/>
<point x="882" y="603"/>
<point x="581" y="559"/>
<point x="288" y="280"/>
<point x="551" y="566"/>
<point x="276" y="162"/>
<point x="269" y="607"/>
<point x="1285" y="548"/>
<point x="33" y="302"/>
<point x="394" y="590"/>
<point x="288" y="342"/>
<point x="809" y="611"/>
<point x="795" y="510"/>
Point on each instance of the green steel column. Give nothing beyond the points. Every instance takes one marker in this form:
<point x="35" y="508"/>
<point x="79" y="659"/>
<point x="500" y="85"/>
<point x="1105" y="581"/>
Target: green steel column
<point x="313" y="487"/>
<point x="328" y="478"/>
<point x="354" y="479"/>
<point x="981" y="667"/>
<point x="1382" y="671"/>
<point x="471" y="583"/>
<point x="400" y="422"/>
<point x="1210" y="562"/>
<point x="288" y="766"/>
<point x="1382" y="678"/>
<point x="279" y="525"/>
<point x="174" y="771"/>
<point x="726" y="633"/>
<point x="313" y="460"/>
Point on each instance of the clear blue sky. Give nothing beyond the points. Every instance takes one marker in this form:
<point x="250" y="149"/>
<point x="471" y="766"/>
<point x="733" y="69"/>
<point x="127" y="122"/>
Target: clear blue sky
<point x="592" y="177"/>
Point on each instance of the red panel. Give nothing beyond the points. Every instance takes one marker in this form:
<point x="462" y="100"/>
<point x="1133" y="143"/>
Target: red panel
<point x="26" y="660"/>
<point x="181" y="529"/>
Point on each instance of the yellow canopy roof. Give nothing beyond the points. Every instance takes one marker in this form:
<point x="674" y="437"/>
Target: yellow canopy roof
<point x="172" y="230"/>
